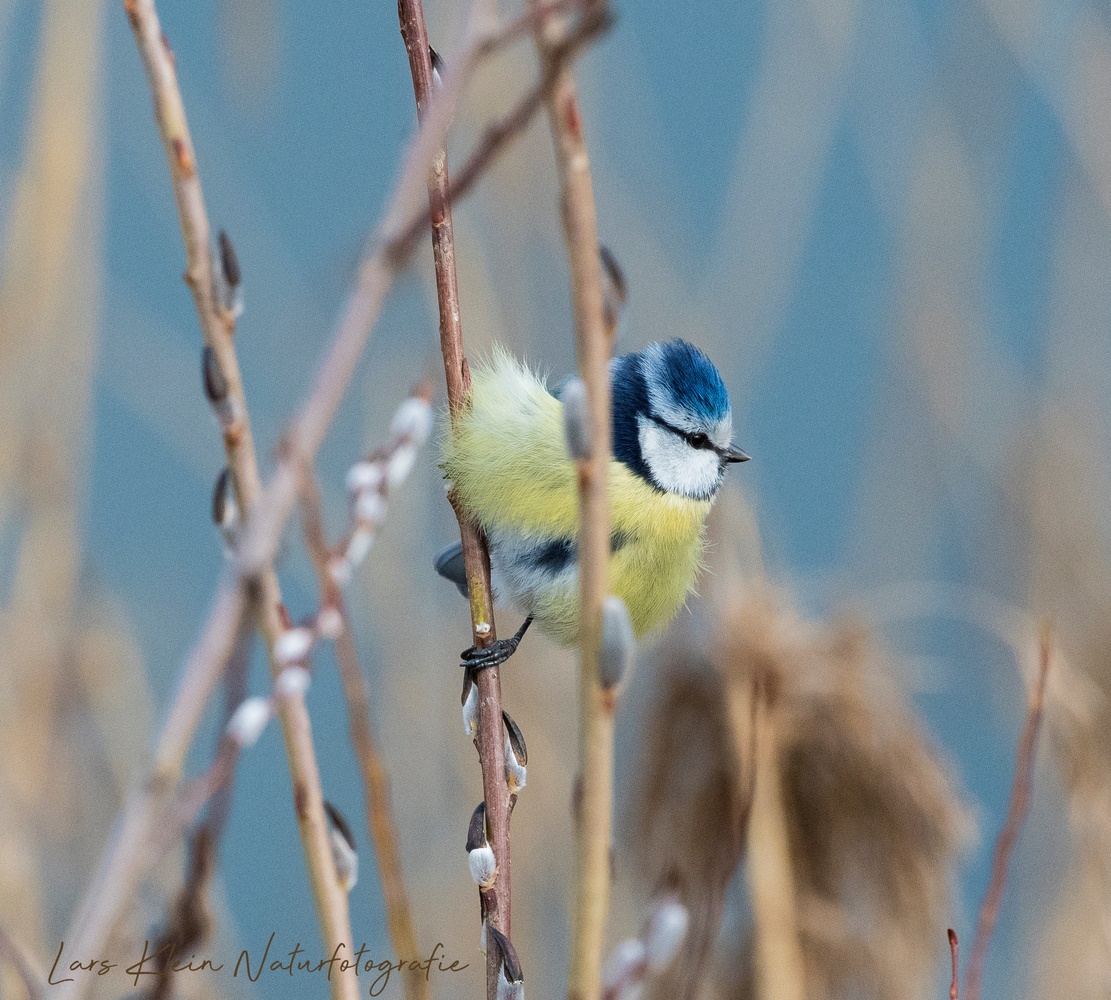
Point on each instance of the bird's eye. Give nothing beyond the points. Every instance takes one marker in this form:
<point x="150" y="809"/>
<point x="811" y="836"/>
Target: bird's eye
<point x="698" y="441"/>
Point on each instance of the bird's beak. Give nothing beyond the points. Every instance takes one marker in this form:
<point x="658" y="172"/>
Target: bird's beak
<point x="734" y="454"/>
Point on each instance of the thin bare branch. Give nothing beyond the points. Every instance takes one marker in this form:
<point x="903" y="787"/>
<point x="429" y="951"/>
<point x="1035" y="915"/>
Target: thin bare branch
<point x="489" y="739"/>
<point x="594" y="817"/>
<point x="1016" y="815"/>
<point x="954" y="956"/>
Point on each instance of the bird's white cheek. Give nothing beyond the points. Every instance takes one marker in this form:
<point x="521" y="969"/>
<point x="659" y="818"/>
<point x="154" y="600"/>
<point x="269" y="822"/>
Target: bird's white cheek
<point x="676" y="466"/>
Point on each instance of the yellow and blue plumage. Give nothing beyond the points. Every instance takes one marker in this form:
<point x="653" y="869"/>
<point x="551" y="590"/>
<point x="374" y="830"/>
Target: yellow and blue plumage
<point x="509" y="466"/>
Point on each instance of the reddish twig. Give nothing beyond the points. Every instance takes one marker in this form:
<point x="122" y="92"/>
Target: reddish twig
<point x="954" y="991"/>
<point x="489" y="739"/>
<point x="1016" y="814"/>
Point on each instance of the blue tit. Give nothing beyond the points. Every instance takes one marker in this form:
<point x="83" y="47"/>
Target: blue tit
<point x="508" y="464"/>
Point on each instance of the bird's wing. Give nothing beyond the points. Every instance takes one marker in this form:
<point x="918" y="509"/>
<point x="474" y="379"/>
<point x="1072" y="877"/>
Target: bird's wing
<point x="507" y="461"/>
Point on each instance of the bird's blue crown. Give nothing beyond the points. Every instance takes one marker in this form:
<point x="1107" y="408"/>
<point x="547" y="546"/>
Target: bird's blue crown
<point x="680" y="377"/>
<point x="674" y="386"/>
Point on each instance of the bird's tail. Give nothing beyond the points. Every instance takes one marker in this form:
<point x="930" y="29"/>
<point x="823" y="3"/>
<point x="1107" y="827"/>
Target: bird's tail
<point x="449" y="564"/>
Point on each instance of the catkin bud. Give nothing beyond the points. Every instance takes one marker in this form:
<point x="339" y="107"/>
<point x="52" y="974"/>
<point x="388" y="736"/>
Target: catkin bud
<point x="292" y="682"/>
<point x="400" y="464"/>
<point x="413" y="420"/>
<point x="615" y="292"/>
<point x="480" y="855"/>
<point x="618" y="646"/>
<point x="511" y="978"/>
<point x="365" y="477"/>
<point x="293" y="645"/>
<point x="370" y="508"/>
<point x="229" y="261"/>
<point x="484" y="866"/>
<point x="470" y="705"/>
<point x="225" y="511"/>
<point x="357" y="548"/>
<point x="576" y="419"/>
<point x="215" y="384"/>
<point x="516" y="755"/>
<point x="329" y="623"/>
<point x="625" y="964"/>
<point x="437" y="67"/>
<point x="667" y="929"/>
<point x="248" y="721"/>
<point x="345" y="855"/>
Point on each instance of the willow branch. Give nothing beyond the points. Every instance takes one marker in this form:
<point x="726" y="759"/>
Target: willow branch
<point x="217" y="326"/>
<point x="489" y="739"/>
<point x="126" y="859"/>
<point x="593" y="819"/>
<point x="376" y="783"/>
<point x="1016" y="815"/>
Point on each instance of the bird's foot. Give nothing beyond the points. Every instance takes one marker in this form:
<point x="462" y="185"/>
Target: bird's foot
<point x="500" y="650"/>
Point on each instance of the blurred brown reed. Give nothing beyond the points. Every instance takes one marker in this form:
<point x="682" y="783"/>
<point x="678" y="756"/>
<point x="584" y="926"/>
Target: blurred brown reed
<point x="795" y="733"/>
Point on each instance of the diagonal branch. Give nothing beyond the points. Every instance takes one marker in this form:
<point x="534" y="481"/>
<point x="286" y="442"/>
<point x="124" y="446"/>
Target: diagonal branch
<point x="1012" y="826"/>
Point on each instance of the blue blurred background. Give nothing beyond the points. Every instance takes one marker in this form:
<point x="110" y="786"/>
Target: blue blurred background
<point x="888" y="222"/>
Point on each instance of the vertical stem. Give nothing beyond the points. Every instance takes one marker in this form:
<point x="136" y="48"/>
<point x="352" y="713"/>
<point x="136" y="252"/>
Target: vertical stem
<point x="593" y="819"/>
<point x="490" y="740"/>
<point x="780" y="971"/>
<point x="380" y="818"/>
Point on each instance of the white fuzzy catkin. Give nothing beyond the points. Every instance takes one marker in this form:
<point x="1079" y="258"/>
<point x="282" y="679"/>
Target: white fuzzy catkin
<point x="400" y="464"/>
<point x="413" y="419"/>
<point x="345" y="858"/>
<point x="665" y="934"/>
<point x="248" y="721"/>
<point x="357" y="548"/>
<point x="508" y="990"/>
<point x="624" y="963"/>
<point x="293" y="681"/>
<point x="470" y="712"/>
<point x="516" y="774"/>
<point x="365" y="477"/>
<point x="370" y="508"/>
<point x="293" y="645"/>
<point x="329" y="623"/>
<point x="484" y="866"/>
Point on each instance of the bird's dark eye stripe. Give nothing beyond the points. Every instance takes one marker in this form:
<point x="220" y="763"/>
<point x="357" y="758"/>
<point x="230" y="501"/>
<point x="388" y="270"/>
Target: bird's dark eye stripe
<point x="694" y="440"/>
